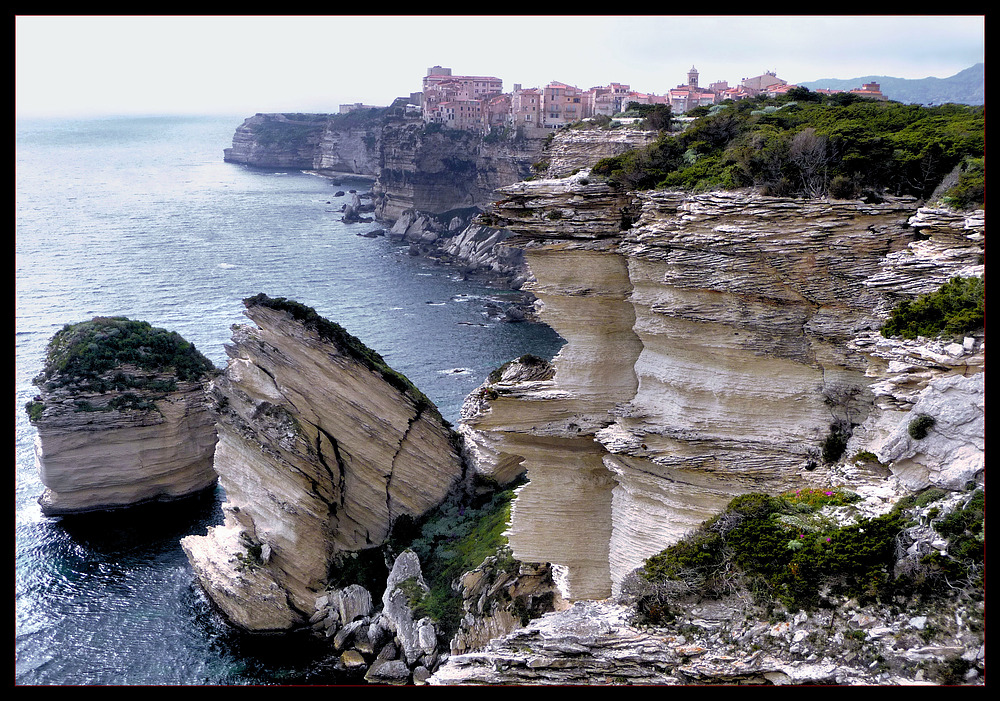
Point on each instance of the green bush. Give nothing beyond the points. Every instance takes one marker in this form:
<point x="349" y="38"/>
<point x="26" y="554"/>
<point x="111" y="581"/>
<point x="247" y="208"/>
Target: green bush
<point x="453" y="539"/>
<point x="755" y="541"/>
<point x="834" y="444"/>
<point x="970" y="192"/>
<point x="286" y="135"/>
<point x="85" y="354"/>
<point x="919" y="426"/>
<point x="817" y="145"/>
<point x="956" y="308"/>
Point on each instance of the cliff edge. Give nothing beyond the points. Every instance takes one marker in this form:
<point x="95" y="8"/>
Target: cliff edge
<point x="322" y="447"/>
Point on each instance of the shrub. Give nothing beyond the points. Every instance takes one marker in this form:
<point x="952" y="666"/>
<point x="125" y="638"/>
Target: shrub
<point x="970" y="192"/>
<point x="34" y="409"/>
<point x="455" y="538"/>
<point x="86" y="352"/>
<point x="919" y="426"/>
<point x="855" y="146"/>
<point x="957" y="307"/>
<point x="752" y="544"/>
<point x="834" y="444"/>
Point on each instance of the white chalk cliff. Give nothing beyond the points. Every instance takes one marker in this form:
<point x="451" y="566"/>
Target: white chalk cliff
<point x="122" y="434"/>
<point x="321" y="448"/>
<point x="713" y="341"/>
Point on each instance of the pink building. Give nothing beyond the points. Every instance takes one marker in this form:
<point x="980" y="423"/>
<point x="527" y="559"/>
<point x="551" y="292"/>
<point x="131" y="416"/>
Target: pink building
<point x="562" y="104"/>
<point x="685" y="98"/>
<point x="526" y="107"/>
<point x="461" y="114"/>
<point x="608" y="100"/>
<point x="459" y="93"/>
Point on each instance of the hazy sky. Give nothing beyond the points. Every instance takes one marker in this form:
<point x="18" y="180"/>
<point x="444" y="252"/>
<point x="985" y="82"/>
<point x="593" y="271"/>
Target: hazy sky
<point x="239" y="65"/>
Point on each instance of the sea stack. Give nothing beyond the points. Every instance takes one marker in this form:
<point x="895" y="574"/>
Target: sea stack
<point x="123" y="417"/>
<point x="322" y="447"/>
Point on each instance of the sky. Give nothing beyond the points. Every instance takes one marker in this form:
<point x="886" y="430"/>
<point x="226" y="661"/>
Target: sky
<point x="92" y="65"/>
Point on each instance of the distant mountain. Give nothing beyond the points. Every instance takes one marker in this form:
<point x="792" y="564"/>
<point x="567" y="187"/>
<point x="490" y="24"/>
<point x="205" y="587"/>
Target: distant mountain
<point x="966" y="87"/>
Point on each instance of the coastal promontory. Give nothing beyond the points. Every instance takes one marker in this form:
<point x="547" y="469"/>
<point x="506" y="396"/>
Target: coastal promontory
<point x="122" y="416"/>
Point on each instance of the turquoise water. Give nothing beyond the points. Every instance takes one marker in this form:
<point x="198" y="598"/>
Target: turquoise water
<point x="141" y="217"/>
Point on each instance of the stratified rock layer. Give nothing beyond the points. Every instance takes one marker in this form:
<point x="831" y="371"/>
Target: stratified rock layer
<point x="574" y="149"/>
<point x="321" y="448"/>
<point x="714" y="342"/>
<point x="124" y="433"/>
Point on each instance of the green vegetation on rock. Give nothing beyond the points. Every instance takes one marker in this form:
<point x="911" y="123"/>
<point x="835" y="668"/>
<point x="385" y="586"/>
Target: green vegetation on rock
<point x="117" y="354"/>
<point x="288" y="134"/>
<point x="956" y="308"/>
<point x="85" y="353"/>
<point x="348" y="344"/>
<point x="454" y="539"/>
<point x="919" y="427"/>
<point x="780" y="549"/>
<point x="805" y="144"/>
<point x="801" y="551"/>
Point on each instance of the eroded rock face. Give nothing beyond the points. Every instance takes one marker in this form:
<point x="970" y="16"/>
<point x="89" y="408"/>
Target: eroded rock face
<point x="322" y="447"/>
<point x="574" y="149"/>
<point x="714" y="341"/>
<point x="117" y="428"/>
<point x="438" y="171"/>
<point x="278" y="141"/>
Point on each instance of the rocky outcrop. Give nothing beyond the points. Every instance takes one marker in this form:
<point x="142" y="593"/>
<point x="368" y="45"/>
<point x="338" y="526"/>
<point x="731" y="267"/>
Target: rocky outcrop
<point x="438" y="170"/>
<point x="500" y="596"/>
<point x="123" y="418"/>
<point x="575" y="149"/>
<point x="595" y="643"/>
<point x="330" y="144"/>
<point x="730" y="640"/>
<point x="321" y="448"/>
<point x="714" y="344"/>
<point x="480" y="248"/>
<point x="278" y="141"/>
<point x="349" y="149"/>
<point x="394" y="644"/>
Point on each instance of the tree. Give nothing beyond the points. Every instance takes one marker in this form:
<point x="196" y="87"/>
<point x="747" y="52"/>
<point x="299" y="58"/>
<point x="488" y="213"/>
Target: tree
<point x="659" y="118"/>
<point x="808" y="152"/>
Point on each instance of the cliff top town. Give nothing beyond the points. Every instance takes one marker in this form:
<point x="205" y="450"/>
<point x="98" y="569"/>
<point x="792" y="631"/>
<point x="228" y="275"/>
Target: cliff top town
<point x="478" y="103"/>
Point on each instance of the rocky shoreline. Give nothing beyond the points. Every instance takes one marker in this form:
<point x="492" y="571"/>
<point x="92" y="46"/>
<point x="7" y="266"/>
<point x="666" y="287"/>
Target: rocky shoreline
<point x="719" y="344"/>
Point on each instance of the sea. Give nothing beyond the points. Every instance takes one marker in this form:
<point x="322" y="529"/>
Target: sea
<point x="141" y="217"/>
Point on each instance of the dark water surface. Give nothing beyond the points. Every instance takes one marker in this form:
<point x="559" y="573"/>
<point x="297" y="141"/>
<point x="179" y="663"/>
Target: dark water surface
<point x="140" y="217"/>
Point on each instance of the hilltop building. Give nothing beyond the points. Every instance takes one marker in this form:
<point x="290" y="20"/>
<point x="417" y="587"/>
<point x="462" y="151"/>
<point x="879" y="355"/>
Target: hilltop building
<point x="762" y="83"/>
<point x="456" y="100"/>
<point x="478" y="103"/>
<point x="685" y="98"/>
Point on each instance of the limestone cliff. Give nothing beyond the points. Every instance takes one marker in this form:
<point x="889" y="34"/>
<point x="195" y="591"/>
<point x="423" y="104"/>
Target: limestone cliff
<point x="418" y="167"/>
<point x="715" y="342"/>
<point x="278" y="141"/>
<point x="321" y="448"/>
<point x="574" y="149"/>
<point x="123" y="417"/>
<point x="436" y="170"/>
